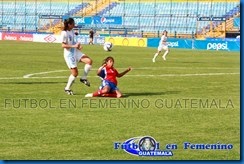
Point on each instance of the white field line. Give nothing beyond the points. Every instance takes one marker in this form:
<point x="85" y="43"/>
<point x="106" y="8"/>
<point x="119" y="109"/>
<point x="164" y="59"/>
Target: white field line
<point x="42" y="73"/>
<point x="189" y="68"/>
<point x="182" y="75"/>
<point x="33" y="75"/>
<point x="162" y="75"/>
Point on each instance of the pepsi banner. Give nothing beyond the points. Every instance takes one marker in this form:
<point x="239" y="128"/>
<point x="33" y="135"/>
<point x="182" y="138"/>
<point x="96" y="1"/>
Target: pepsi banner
<point x="79" y="21"/>
<point x="172" y="43"/>
<point x="217" y="45"/>
<point x="223" y="45"/>
<point x="85" y="40"/>
<point x="107" y="20"/>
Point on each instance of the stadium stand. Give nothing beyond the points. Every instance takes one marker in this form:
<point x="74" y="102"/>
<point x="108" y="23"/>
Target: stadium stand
<point x="19" y="15"/>
<point x="179" y="17"/>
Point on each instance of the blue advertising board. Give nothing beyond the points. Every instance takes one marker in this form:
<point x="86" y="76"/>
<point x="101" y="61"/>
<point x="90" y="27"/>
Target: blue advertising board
<point x="79" y="21"/>
<point x="224" y="45"/>
<point x="217" y="45"/>
<point x="172" y="43"/>
<point x="107" y="20"/>
<point x="85" y="39"/>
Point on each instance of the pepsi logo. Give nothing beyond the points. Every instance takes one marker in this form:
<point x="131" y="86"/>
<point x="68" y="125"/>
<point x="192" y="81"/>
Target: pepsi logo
<point x="103" y="20"/>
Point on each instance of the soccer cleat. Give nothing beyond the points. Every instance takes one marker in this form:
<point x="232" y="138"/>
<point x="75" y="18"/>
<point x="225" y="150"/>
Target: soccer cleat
<point x="164" y="57"/>
<point x="85" y="81"/>
<point x="153" y="60"/>
<point x="89" y="95"/>
<point x="68" y="91"/>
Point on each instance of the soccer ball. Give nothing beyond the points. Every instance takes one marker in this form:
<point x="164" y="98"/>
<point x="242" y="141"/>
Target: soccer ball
<point x="107" y="46"/>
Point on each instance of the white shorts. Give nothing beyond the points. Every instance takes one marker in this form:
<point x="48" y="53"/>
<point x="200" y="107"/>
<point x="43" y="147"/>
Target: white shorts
<point x="163" y="47"/>
<point x="72" y="60"/>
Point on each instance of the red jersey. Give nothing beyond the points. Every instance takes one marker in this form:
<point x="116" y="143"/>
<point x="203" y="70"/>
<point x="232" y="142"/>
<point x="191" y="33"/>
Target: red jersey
<point x="110" y="74"/>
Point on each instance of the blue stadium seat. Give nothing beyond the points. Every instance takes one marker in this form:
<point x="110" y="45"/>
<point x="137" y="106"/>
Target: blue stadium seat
<point x="144" y="16"/>
<point x="20" y="15"/>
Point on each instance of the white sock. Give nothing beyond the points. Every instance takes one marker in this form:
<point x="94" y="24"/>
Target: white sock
<point x="155" y="56"/>
<point x="166" y="52"/>
<point x="87" y="68"/>
<point x="70" y="82"/>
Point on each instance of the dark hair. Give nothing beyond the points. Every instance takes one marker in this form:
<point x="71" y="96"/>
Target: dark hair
<point x="67" y="22"/>
<point x="107" y="59"/>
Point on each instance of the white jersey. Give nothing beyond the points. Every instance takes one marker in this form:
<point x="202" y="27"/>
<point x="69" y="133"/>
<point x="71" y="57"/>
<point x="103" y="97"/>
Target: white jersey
<point x="162" y="43"/>
<point x="71" y="55"/>
<point x="68" y="37"/>
<point x="163" y="40"/>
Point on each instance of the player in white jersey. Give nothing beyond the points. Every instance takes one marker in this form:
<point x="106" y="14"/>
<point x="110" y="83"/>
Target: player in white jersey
<point x="162" y="46"/>
<point x="73" y="55"/>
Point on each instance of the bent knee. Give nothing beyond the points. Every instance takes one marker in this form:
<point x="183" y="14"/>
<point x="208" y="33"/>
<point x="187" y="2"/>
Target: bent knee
<point x="75" y="74"/>
<point x="89" y="61"/>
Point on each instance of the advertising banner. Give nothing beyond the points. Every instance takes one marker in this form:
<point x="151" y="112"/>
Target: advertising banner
<point x="121" y="41"/>
<point x="211" y="18"/>
<point x="79" y="21"/>
<point x="46" y="38"/>
<point x="172" y="43"/>
<point x="50" y="16"/>
<point x="50" y="38"/>
<point x="85" y="39"/>
<point x="107" y="20"/>
<point x="17" y="36"/>
<point x="217" y="45"/>
<point x="209" y="44"/>
<point x="0" y="36"/>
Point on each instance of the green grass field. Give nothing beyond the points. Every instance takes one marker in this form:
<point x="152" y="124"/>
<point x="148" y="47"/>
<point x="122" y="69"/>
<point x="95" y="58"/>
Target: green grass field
<point x="193" y="97"/>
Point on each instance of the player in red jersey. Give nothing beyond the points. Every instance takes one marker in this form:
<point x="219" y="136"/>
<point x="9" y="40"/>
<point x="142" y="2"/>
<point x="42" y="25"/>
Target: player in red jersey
<point x="109" y="75"/>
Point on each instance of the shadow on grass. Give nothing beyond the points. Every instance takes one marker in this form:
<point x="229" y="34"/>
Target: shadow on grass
<point x="128" y="94"/>
<point x="192" y="62"/>
<point x="29" y="83"/>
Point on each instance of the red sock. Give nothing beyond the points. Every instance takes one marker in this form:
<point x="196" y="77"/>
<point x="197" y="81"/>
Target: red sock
<point x="109" y="95"/>
<point x="97" y="93"/>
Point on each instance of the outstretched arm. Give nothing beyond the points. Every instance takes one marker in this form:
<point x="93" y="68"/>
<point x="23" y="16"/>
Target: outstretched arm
<point x="125" y="72"/>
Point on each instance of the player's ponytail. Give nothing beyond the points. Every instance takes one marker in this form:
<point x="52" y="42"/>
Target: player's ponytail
<point x="65" y="25"/>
